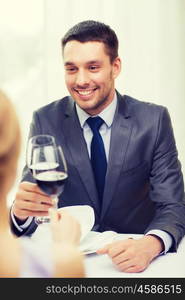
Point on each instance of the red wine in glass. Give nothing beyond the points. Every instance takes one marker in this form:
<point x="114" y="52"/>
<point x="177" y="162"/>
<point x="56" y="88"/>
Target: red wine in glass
<point x="48" y="166"/>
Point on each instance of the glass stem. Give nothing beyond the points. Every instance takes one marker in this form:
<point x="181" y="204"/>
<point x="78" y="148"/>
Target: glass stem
<point x="55" y="202"/>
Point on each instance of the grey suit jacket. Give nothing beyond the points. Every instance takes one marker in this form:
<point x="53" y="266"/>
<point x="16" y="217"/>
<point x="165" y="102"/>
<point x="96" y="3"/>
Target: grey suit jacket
<point x="144" y="185"/>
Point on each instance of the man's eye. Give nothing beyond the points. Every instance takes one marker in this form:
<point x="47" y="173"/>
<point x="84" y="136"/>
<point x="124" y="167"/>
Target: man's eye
<point x="93" y="68"/>
<point x="72" y="69"/>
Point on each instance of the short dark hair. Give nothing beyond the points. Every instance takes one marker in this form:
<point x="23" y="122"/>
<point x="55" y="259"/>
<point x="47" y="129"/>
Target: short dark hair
<point x="93" y="31"/>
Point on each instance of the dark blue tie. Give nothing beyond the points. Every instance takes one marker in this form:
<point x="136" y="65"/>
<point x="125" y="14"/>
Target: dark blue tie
<point x="98" y="157"/>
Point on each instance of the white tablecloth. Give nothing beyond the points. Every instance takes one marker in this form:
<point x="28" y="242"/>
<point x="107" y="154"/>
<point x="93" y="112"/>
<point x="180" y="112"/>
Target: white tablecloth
<point x="169" y="265"/>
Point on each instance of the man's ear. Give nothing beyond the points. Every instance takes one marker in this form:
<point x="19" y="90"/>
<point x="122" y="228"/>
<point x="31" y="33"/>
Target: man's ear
<point x="116" y="67"/>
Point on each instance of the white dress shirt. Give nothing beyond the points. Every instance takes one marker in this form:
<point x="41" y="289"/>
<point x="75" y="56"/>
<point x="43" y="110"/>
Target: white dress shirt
<point x="105" y="130"/>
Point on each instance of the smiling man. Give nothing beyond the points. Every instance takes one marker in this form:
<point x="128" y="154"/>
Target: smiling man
<point x="90" y="75"/>
<point x="121" y="155"/>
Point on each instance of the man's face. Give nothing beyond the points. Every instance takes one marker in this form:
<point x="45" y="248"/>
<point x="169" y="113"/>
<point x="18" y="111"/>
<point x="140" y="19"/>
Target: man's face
<point x="89" y="75"/>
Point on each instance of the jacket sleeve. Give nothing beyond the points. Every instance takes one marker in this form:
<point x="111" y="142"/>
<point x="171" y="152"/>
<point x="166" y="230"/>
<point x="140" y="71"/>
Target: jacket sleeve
<point x="166" y="184"/>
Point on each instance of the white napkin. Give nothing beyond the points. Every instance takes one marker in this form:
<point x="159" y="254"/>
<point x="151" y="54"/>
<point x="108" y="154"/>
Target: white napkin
<point x="85" y="216"/>
<point x="95" y="240"/>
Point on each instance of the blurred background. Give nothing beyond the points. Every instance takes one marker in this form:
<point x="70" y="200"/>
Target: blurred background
<point x="151" y="34"/>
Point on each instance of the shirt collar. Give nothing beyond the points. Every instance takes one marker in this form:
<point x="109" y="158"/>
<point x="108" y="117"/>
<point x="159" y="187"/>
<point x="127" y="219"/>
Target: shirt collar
<point x="107" y="114"/>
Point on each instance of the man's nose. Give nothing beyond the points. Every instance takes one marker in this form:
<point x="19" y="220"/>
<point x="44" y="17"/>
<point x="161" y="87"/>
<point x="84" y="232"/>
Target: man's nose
<point x="82" y="78"/>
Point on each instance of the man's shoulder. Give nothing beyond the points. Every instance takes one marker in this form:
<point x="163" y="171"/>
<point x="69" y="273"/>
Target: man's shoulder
<point x="54" y="106"/>
<point x="133" y="102"/>
<point x="136" y="106"/>
<point x="142" y="112"/>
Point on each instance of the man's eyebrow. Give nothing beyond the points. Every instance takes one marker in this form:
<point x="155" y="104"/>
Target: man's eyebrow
<point x="69" y="63"/>
<point x="91" y="62"/>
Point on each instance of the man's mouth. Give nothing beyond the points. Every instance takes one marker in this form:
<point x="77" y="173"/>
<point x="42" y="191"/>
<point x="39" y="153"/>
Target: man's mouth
<point x="85" y="92"/>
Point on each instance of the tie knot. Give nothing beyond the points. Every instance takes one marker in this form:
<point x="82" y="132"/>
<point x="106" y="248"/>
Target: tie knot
<point x="94" y="123"/>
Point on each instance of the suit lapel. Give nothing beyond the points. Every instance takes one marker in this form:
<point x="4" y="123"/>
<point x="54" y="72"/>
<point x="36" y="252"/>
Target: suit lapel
<point x="120" y="136"/>
<point x="77" y="146"/>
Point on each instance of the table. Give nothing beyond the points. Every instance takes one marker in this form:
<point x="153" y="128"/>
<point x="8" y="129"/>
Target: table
<point x="169" y="265"/>
<point x="100" y="266"/>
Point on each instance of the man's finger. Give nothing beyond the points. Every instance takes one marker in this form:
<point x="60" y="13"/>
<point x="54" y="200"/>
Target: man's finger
<point x="33" y="197"/>
<point x="31" y="187"/>
<point x="104" y="249"/>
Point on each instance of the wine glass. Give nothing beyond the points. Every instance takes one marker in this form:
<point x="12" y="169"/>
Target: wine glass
<point x="48" y="166"/>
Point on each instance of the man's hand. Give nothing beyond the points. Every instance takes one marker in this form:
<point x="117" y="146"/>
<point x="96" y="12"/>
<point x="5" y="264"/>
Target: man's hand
<point x="133" y="256"/>
<point x="30" y="201"/>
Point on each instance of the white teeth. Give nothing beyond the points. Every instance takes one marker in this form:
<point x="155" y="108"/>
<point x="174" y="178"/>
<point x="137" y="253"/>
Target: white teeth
<point x="84" y="93"/>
